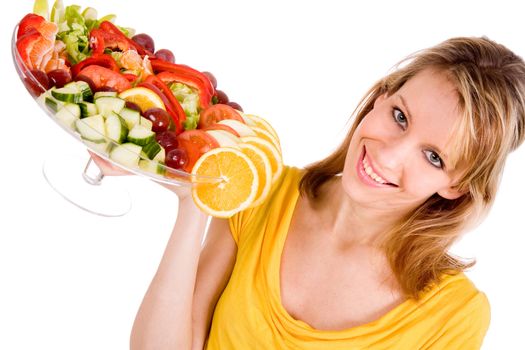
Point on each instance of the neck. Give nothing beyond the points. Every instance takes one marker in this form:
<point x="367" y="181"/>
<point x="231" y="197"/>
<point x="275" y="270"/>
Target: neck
<point x="353" y="224"/>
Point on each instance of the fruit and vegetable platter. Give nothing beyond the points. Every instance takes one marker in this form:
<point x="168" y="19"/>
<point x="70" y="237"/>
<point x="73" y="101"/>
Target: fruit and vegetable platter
<point x="135" y="106"/>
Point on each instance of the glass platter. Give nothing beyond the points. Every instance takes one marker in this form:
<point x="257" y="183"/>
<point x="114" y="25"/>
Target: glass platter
<point x="80" y="181"/>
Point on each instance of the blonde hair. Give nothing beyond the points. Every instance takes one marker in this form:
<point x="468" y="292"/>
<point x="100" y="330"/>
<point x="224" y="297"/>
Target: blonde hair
<point x="490" y="83"/>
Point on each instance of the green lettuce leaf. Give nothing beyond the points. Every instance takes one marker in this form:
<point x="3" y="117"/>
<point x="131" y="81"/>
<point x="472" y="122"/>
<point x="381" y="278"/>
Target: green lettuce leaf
<point x="74" y="26"/>
<point x="189" y="101"/>
<point x="73" y="15"/>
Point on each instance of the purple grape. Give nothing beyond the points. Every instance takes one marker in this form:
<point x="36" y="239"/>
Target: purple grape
<point x="176" y="158"/>
<point x="165" y="55"/>
<point x="145" y="41"/>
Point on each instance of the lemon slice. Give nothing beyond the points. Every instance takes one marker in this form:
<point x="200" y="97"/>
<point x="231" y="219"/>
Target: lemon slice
<point x="266" y="135"/>
<point x="142" y="97"/>
<point x="264" y="170"/>
<point x="236" y="192"/>
<point x="262" y="123"/>
<point x="274" y="156"/>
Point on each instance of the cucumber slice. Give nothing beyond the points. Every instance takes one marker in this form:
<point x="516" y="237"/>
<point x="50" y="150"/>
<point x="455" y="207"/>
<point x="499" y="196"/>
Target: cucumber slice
<point x="92" y="128"/>
<point x="99" y="94"/>
<point x="103" y="147"/>
<point x="128" y="154"/>
<point x="68" y="115"/>
<point x="53" y="103"/>
<point x="82" y="87"/>
<point x="151" y="150"/>
<point x="152" y="167"/>
<point x="161" y="156"/>
<point x="107" y="104"/>
<point x="140" y="135"/>
<point x="131" y="116"/>
<point x="67" y="94"/>
<point x="85" y="89"/>
<point x="87" y="109"/>
<point x="116" y="128"/>
<point x="146" y="123"/>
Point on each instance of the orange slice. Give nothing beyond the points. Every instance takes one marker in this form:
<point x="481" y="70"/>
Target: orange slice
<point x="274" y="156"/>
<point x="142" y="97"/>
<point x="264" y="171"/>
<point x="236" y="192"/>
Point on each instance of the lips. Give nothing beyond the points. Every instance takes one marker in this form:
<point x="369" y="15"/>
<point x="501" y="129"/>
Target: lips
<point x="369" y="174"/>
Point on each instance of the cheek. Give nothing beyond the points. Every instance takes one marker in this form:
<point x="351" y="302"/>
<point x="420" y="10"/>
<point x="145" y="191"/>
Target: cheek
<point x="372" y="129"/>
<point x="378" y="125"/>
<point x="423" y="181"/>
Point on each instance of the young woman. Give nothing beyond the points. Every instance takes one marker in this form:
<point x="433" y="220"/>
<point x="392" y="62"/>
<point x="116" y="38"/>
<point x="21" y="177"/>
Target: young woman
<point x="351" y="252"/>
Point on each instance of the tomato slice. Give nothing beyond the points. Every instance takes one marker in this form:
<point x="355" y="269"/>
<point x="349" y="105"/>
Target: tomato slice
<point x="217" y="126"/>
<point x="195" y="143"/>
<point x="216" y="113"/>
<point x="104" y="77"/>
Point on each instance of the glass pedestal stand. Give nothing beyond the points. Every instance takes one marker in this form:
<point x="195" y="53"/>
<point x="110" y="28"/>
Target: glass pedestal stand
<point x="87" y="190"/>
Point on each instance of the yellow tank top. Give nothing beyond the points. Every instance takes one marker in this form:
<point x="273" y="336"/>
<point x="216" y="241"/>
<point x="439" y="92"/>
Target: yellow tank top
<point x="249" y="314"/>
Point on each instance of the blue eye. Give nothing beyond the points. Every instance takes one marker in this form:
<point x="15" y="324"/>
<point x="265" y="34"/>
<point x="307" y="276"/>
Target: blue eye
<point x="434" y="159"/>
<point x="400" y="118"/>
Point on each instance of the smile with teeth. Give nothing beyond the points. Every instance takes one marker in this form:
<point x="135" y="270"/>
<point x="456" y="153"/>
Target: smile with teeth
<point x="370" y="172"/>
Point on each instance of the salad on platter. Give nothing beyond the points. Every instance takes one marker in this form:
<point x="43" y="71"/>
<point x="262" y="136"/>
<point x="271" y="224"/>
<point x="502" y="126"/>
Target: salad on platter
<point x="133" y="105"/>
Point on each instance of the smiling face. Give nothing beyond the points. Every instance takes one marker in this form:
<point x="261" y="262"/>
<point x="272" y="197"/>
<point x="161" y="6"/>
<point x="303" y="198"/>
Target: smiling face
<point x="397" y="158"/>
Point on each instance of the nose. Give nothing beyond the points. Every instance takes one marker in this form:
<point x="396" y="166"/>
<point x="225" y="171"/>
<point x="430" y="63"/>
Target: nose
<point x="395" y="155"/>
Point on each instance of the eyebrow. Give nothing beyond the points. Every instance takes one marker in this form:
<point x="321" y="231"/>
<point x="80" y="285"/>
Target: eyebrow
<point x="442" y="154"/>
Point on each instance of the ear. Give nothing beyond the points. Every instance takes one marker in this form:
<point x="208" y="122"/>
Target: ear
<point x="450" y="193"/>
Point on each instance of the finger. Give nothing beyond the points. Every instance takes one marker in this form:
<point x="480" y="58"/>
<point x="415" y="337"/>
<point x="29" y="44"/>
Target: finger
<point x="182" y="191"/>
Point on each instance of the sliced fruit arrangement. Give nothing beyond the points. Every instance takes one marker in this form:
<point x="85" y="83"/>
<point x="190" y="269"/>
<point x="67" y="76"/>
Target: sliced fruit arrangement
<point x="136" y="106"/>
<point x="239" y="188"/>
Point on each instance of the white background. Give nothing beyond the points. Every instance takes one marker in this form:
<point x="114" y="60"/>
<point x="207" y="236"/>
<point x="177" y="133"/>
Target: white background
<point x="72" y="280"/>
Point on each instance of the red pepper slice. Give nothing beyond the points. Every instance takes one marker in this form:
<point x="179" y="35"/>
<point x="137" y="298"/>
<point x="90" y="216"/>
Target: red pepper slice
<point x="175" y="111"/>
<point x="99" y="77"/>
<point x="100" y="39"/>
<point x="167" y="92"/>
<point x="131" y="77"/>
<point x="25" y="44"/>
<point x="29" y="22"/>
<point x="103" y="60"/>
<point x="121" y="37"/>
<point x="169" y="72"/>
<point x="107" y="35"/>
<point x="191" y="81"/>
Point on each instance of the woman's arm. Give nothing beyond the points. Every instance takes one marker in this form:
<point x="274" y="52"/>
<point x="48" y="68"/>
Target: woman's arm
<point x="177" y="308"/>
<point x="164" y="319"/>
<point x="215" y="267"/>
